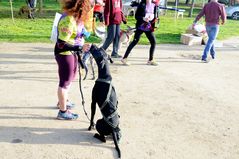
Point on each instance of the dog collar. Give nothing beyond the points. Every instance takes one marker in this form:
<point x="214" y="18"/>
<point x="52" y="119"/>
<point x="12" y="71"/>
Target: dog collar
<point x="103" y="80"/>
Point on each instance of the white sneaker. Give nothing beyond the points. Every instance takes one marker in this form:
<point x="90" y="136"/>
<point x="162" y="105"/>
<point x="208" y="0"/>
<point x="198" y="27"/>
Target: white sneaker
<point x="152" y="62"/>
<point x="125" y="62"/>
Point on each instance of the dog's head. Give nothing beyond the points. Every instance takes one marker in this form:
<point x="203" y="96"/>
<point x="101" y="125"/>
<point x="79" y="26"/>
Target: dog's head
<point x="127" y="34"/>
<point x="130" y="31"/>
<point x="98" y="54"/>
<point x="101" y="59"/>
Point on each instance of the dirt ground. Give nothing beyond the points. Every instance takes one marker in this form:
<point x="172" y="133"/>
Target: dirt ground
<point x="180" y="109"/>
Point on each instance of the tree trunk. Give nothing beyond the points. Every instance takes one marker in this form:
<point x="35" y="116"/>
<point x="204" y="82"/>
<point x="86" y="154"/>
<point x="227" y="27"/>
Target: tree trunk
<point x="187" y="2"/>
<point x="40" y="6"/>
<point x="165" y="3"/>
<point x="191" y="9"/>
<point x="12" y="11"/>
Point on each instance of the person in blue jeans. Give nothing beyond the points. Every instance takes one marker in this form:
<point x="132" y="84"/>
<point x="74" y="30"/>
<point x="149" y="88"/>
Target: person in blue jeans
<point x="213" y="12"/>
<point x="212" y="31"/>
<point x="113" y="17"/>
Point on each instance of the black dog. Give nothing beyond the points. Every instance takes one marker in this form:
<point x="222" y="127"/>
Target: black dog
<point x="88" y="57"/>
<point x="104" y="95"/>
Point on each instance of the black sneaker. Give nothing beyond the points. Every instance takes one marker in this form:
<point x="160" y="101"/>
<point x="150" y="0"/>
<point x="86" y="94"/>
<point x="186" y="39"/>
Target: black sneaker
<point x="116" y="56"/>
<point x="204" y="60"/>
<point x="213" y="56"/>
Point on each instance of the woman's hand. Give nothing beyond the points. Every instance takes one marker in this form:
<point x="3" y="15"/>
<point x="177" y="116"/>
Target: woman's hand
<point x="146" y="19"/>
<point x="86" y="47"/>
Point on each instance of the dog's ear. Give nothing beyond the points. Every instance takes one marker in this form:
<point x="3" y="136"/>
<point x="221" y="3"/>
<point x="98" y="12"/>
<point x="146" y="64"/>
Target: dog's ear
<point x="131" y="29"/>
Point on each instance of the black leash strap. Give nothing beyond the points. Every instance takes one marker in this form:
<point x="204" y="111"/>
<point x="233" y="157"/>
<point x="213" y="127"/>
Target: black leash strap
<point x="80" y="86"/>
<point x="82" y="95"/>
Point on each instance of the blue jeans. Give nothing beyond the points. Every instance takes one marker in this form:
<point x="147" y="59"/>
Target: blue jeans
<point x="212" y="31"/>
<point x="113" y="34"/>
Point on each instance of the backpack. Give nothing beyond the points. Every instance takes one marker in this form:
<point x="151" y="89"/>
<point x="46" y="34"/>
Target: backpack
<point x="54" y="31"/>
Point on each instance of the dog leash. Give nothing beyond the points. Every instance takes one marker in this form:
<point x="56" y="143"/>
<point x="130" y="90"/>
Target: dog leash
<point x="80" y="86"/>
<point x="82" y="96"/>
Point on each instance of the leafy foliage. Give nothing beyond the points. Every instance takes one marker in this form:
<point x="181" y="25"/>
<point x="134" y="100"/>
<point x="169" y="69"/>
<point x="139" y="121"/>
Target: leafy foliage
<point x="39" y="29"/>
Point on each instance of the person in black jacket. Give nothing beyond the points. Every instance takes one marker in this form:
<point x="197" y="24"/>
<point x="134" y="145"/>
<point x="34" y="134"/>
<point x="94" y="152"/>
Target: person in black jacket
<point x="146" y="16"/>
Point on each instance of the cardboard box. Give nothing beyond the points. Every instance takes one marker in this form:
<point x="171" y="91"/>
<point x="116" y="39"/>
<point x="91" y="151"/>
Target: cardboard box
<point x="194" y="32"/>
<point x="190" y="39"/>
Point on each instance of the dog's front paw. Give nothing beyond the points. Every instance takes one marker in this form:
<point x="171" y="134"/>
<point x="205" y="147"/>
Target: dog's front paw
<point x="92" y="126"/>
<point x="100" y="137"/>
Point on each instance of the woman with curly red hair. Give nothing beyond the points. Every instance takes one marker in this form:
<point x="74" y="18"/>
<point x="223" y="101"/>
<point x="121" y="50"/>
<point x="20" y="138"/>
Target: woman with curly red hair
<point x="70" y="40"/>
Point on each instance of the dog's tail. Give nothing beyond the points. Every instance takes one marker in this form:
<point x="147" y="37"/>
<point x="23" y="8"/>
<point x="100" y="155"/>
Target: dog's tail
<point x="116" y="143"/>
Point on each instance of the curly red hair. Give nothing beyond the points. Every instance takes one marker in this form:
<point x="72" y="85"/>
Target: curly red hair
<point x="79" y="9"/>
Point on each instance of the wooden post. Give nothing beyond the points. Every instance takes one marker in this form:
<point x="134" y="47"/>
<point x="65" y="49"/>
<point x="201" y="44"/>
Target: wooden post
<point x="40" y="6"/>
<point x="12" y="11"/>
<point x="93" y="25"/>
<point x="191" y="9"/>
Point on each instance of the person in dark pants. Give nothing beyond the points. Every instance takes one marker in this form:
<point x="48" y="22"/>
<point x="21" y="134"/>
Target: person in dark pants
<point x="31" y="5"/>
<point x="113" y="17"/>
<point x="146" y="16"/>
<point x="213" y="12"/>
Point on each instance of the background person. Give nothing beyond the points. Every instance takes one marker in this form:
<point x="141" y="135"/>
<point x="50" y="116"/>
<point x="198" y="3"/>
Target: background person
<point x="31" y="5"/>
<point x="70" y="39"/>
<point x="99" y="10"/>
<point x="113" y="17"/>
<point x="212" y="11"/>
<point x="146" y="16"/>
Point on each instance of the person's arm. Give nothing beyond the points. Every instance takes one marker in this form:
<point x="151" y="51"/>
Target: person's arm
<point x="122" y="14"/>
<point x="62" y="46"/>
<point x="155" y="13"/>
<point x="202" y="13"/>
<point x="223" y="15"/>
<point x="107" y="12"/>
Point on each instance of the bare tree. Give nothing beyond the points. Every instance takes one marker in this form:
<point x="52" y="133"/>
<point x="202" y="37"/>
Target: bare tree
<point x="187" y="2"/>
<point x="40" y="6"/>
<point x="191" y="9"/>
<point x="10" y="1"/>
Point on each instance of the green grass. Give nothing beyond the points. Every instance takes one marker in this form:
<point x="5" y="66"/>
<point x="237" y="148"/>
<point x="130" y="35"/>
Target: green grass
<point x="39" y="29"/>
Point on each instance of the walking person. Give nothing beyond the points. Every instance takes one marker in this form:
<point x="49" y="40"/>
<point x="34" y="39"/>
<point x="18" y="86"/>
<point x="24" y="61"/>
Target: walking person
<point x="146" y="16"/>
<point x="98" y="10"/>
<point x="31" y="6"/>
<point x="70" y="40"/>
<point x="113" y="17"/>
<point x="213" y="12"/>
